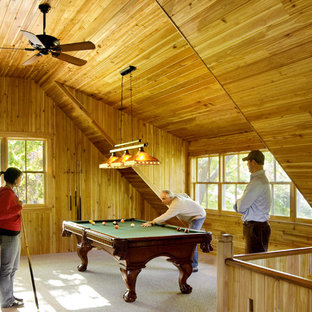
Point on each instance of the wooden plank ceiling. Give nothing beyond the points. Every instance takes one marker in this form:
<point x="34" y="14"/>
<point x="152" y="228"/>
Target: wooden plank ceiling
<point x="206" y="69"/>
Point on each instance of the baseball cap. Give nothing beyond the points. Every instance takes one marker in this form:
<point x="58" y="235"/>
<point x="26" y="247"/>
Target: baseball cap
<point x="256" y="156"/>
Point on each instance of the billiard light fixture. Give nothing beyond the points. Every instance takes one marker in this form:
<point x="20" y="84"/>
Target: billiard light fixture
<point x="141" y="158"/>
<point x="108" y="163"/>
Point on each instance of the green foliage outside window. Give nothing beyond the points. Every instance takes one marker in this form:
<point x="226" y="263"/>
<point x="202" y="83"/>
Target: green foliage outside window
<point x="235" y="172"/>
<point x="280" y="200"/>
<point x="208" y="171"/>
<point x="304" y="209"/>
<point x="28" y="156"/>
<point x="280" y="186"/>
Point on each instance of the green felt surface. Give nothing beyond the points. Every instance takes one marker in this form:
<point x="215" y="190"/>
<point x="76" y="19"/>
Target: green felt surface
<point x="125" y="229"/>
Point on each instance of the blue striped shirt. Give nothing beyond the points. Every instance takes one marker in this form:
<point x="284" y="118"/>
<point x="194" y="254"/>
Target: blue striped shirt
<point x="255" y="203"/>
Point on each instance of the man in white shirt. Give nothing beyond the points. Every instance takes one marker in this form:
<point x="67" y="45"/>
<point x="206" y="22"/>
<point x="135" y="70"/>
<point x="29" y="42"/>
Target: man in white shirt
<point x="185" y="209"/>
<point x="255" y="205"/>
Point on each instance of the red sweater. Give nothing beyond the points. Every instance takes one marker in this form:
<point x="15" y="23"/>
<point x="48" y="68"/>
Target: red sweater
<point x="10" y="210"/>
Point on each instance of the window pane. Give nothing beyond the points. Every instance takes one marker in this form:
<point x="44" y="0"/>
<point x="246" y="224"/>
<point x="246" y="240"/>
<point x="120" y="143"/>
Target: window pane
<point x="229" y="197"/>
<point x="208" y="169"/>
<point x="213" y="196"/>
<point x="281" y="200"/>
<point x="27" y="155"/>
<point x="35" y="188"/>
<point x="21" y="190"/>
<point x="203" y="169"/>
<point x="281" y="175"/>
<point x="230" y="166"/>
<point x="16" y="154"/>
<point x="200" y="192"/>
<point x="240" y="190"/>
<point x="244" y="175"/>
<point x="213" y="169"/>
<point x="304" y="210"/>
<point x="34" y="155"/>
<point x="207" y="195"/>
<point x="269" y="166"/>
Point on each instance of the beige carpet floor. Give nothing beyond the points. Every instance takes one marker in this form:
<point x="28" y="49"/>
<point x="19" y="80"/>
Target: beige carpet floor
<point x="61" y="287"/>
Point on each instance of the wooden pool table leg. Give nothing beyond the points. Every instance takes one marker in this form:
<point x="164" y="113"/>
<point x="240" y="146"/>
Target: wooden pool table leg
<point x="83" y="247"/>
<point x="130" y="277"/>
<point x="185" y="270"/>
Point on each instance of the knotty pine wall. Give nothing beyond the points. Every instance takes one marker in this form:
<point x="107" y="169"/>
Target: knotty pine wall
<point x="73" y="164"/>
<point x="27" y="112"/>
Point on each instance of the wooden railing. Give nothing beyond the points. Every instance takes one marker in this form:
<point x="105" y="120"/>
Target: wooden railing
<point x="271" y="281"/>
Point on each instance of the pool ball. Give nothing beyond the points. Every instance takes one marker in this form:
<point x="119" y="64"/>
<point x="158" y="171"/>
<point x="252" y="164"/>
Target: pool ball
<point x="104" y="223"/>
<point x="92" y="222"/>
<point x="178" y="228"/>
<point x="114" y="222"/>
<point x="116" y="226"/>
<point x="122" y="220"/>
<point x="132" y="224"/>
<point x="186" y="230"/>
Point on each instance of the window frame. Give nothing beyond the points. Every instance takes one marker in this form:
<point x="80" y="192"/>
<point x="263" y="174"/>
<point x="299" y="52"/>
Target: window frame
<point x="292" y="188"/>
<point x="4" y="138"/>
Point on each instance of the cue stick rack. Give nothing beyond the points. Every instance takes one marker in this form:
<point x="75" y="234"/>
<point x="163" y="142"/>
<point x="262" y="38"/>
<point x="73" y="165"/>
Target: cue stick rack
<point x="75" y="198"/>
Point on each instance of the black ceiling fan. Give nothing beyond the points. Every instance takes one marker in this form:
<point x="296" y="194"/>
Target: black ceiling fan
<point x="46" y="44"/>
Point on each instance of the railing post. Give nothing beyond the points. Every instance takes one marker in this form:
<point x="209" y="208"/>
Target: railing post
<point x="224" y="251"/>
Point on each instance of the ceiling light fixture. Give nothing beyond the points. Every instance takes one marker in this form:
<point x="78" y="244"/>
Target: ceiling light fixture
<point x="141" y="158"/>
<point x="107" y="164"/>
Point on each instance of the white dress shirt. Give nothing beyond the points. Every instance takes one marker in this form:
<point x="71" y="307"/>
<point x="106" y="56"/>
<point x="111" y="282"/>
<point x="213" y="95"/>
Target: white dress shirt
<point x="184" y="208"/>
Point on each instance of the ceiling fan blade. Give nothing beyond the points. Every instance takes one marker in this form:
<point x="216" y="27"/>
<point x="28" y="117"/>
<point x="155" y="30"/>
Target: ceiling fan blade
<point x="32" y="59"/>
<point x="77" y="46"/>
<point x="24" y="49"/>
<point x="33" y="39"/>
<point x="69" y="59"/>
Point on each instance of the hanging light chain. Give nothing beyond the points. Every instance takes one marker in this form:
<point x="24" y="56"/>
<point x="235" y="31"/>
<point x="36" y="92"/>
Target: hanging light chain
<point x="121" y="99"/>
<point x="141" y="158"/>
<point x="131" y="106"/>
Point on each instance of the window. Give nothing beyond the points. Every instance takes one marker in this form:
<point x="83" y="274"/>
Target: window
<point x="208" y="177"/>
<point x="304" y="210"/>
<point x="219" y="180"/>
<point x="28" y="155"/>
<point x="280" y="186"/>
<point x="235" y="179"/>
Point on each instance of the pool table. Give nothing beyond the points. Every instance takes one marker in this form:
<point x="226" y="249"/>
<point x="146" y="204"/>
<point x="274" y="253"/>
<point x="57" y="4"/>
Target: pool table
<point x="133" y="246"/>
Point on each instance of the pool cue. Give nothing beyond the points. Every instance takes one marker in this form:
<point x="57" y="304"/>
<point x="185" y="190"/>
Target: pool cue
<point x="77" y="190"/>
<point x="183" y="223"/>
<point x="80" y="189"/>
<point x="75" y="172"/>
<point x="30" y="267"/>
<point x="70" y="194"/>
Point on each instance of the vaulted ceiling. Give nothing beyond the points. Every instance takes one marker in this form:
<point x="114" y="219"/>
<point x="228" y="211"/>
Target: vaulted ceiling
<point x="206" y="69"/>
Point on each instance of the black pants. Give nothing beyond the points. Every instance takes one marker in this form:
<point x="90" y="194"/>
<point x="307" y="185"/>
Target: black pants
<point x="257" y="236"/>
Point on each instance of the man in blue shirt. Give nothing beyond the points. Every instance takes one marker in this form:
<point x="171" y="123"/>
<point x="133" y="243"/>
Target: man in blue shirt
<point x="255" y="205"/>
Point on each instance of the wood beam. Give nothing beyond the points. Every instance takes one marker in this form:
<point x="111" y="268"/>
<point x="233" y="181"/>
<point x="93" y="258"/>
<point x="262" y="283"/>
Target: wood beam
<point x="83" y="120"/>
